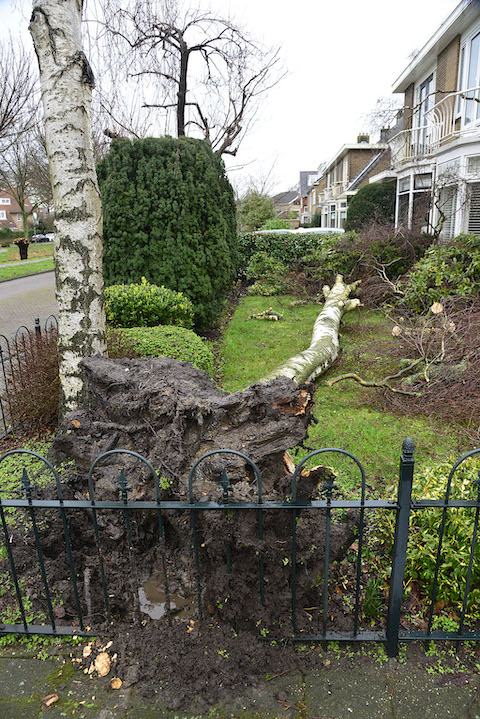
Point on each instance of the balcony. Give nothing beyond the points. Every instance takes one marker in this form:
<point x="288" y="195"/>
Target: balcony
<point x="456" y="115"/>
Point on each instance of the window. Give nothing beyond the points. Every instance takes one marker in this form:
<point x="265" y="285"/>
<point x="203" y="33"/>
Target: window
<point x="474" y="214"/>
<point x="425" y="103"/>
<point x="447" y="202"/>
<point x="333" y="209"/>
<point x="421" y="182"/>
<point x="3" y="215"/>
<point x="468" y="107"/>
<point x="473" y="165"/>
<point x="5" y="201"/>
<point x="404" y="185"/>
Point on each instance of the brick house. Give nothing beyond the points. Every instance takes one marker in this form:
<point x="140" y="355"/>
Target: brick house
<point x="341" y="178"/>
<point x="10" y="212"/>
<point x="287" y="207"/>
<point x="436" y="155"/>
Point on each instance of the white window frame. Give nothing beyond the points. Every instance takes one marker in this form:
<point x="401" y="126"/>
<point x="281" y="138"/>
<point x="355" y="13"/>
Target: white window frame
<point x="5" y="201"/>
<point x="3" y="215"/>
<point x="463" y="71"/>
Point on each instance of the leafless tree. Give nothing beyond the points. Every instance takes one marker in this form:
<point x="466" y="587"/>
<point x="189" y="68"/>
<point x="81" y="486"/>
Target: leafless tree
<point x="15" y="176"/>
<point x="18" y="92"/>
<point x="204" y="71"/>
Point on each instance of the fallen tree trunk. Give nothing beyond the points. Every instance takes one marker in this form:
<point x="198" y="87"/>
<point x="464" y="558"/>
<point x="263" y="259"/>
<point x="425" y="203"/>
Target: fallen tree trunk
<point x="324" y="347"/>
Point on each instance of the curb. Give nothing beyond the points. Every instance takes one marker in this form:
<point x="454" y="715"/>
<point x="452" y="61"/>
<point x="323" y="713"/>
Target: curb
<point x="30" y="274"/>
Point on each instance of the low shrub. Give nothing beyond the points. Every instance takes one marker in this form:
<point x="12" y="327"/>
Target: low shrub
<point x="175" y="342"/>
<point x="276" y="224"/>
<point x="445" y="271"/>
<point x="431" y="483"/>
<point x="146" y="305"/>
<point x="269" y="274"/>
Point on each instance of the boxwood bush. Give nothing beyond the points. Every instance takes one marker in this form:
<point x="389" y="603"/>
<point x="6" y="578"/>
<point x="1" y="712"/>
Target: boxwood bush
<point x="146" y="305"/>
<point x="167" y="341"/>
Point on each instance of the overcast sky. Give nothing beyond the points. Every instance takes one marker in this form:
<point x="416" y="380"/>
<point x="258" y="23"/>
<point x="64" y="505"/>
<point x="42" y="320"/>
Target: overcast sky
<point x="340" y="58"/>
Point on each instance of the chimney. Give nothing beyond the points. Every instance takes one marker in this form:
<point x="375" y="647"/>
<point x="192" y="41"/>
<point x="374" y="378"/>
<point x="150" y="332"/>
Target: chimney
<point x="363" y="139"/>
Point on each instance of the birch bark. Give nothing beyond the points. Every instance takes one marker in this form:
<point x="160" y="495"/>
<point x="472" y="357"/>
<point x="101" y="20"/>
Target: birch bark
<point x="66" y="83"/>
<point x="324" y="347"/>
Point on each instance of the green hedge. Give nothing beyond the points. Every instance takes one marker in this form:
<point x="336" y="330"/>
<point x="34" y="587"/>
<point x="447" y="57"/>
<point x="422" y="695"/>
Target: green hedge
<point x="445" y="270"/>
<point x="169" y="216"/>
<point x="283" y="246"/>
<point x="166" y="341"/>
<point x="372" y="203"/>
<point x="146" y="305"/>
<point x="431" y="483"/>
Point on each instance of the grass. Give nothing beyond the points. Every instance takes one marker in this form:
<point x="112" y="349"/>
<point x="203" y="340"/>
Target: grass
<point x="8" y="273"/>
<point x="347" y="417"/>
<point x="35" y="251"/>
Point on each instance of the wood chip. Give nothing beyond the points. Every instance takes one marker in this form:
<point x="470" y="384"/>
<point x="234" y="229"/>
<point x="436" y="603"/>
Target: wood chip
<point x="87" y="651"/>
<point x="102" y="664"/>
<point x="49" y="700"/>
<point x="116" y="683"/>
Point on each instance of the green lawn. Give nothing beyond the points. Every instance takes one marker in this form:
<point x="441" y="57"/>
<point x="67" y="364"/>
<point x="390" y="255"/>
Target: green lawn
<point x="8" y="273"/>
<point x="346" y="416"/>
<point x="35" y="251"/>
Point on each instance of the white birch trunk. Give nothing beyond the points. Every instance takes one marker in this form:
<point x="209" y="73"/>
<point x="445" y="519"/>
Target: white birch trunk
<point x="66" y="83"/>
<point x="324" y="347"/>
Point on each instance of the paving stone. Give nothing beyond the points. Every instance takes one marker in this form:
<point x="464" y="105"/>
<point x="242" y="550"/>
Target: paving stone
<point x="19" y="710"/>
<point x="21" y="678"/>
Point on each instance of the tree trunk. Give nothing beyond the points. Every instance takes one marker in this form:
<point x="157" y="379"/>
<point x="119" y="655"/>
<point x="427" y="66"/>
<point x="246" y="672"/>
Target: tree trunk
<point x="66" y="83"/>
<point x="323" y="350"/>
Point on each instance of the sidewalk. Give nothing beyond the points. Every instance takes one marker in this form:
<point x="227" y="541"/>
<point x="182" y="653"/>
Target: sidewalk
<point x="344" y="688"/>
<point x="24" y="298"/>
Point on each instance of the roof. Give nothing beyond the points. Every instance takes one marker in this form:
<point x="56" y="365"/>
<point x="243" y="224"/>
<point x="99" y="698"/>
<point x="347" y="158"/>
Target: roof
<point x="456" y="23"/>
<point x="285" y="198"/>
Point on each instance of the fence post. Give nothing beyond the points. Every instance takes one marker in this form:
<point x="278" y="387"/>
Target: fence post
<point x="400" y="546"/>
<point x="38" y="329"/>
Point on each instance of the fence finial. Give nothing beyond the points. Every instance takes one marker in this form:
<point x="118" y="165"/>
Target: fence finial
<point x="408" y="448"/>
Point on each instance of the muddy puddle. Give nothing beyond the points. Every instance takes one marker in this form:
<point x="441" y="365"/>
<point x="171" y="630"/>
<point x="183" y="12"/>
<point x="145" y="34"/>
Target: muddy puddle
<point x="153" y="600"/>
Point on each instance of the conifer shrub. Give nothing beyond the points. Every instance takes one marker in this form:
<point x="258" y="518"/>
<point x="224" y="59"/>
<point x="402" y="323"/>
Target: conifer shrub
<point x="146" y="305"/>
<point x="169" y="216"/>
<point x="372" y="203"/>
<point x="175" y="342"/>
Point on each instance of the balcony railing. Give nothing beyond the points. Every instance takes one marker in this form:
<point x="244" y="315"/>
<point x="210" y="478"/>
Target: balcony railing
<point x="455" y="115"/>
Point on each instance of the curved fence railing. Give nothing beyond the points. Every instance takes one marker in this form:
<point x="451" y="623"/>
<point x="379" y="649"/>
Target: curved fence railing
<point x="240" y="544"/>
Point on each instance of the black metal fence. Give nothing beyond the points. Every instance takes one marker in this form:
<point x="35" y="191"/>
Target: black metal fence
<point x="81" y="621"/>
<point x="12" y="352"/>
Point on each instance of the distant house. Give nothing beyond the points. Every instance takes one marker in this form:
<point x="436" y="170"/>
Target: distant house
<point x="436" y="155"/>
<point x="341" y="178"/>
<point x="287" y="207"/>
<point x="10" y="212"/>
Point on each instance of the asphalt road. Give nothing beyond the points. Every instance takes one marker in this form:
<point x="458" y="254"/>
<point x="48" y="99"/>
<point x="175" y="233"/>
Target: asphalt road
<point x="23" y="299"/>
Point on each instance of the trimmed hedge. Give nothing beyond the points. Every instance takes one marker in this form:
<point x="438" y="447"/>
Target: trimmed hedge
<point x="146" y="305"/>
<point x="166" y="341"/>
<point x="283" y="246"/>
<point x="169" y="216"/>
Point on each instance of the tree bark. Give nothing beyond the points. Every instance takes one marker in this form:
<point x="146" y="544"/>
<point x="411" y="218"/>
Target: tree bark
<point x="323" y="350"/>
<point x="66" y="84"/>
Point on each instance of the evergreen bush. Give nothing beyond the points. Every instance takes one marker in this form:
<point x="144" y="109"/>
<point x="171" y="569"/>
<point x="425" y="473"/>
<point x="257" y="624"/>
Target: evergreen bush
<point x="176" y="342"/>
<point x="146" y="305"/>
<point x="269" y="273"/>
<point x="372" y="203"/>
<point x="431" y="483"/>
<point x="169" y="216"/>
<point x="445" y="271"/>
